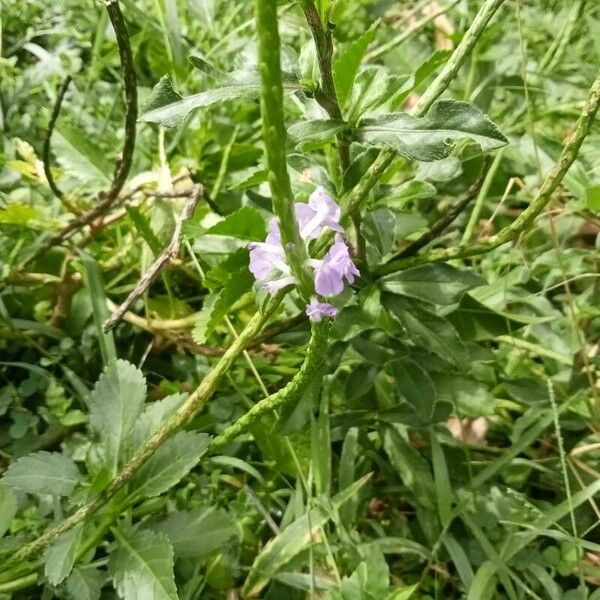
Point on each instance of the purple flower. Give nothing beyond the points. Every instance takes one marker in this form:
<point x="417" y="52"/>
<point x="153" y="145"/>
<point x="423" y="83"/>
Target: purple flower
<point x="267" y="261"/>
<point x="316" y="310"/>
<point x="333" y="269"/>
<point x="320" y="213"/>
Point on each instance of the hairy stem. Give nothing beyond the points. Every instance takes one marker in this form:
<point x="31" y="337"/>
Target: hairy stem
<point x="184" y="414"/>
<point x="274" y="135"/>
<point x="315" y="356"/>
<point x="537" y="205"/>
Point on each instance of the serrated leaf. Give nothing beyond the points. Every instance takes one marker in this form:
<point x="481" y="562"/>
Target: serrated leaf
<point x="142" y="566"/>
<point x="154" y="415"/>
<point x="8" y="507"/>
<point x="433" y="136"/>
<point x="60" y="556"/>
<point x="43" y="473"/>
<point x="85" y="583"/>
<point x="437" y="284"/>
<point x="292" y="540"/>
<point x="347" y="61"/>
<point x="115" y="405"/>
<point x="245" y="223"/>
<point x="310" y="135"/>
<point x="169" y="464"/>
<point x="198" y="532"/>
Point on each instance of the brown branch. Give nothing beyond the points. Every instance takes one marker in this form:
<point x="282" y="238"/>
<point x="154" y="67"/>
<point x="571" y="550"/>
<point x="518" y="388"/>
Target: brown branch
<point x="60" y="94"/>
<point x="442" y="223"/>
<point x="161" y="262"/>
<point x="106" y="199"/>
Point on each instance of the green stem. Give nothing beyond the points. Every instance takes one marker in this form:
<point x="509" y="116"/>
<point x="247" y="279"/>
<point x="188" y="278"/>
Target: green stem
<point x="274" y="135"/>
<point x="434" y="91"/>
<point x="184" y="414"/>
<point x="315" y="355"/>
<point x="537" y="205"/>
<point x="483" y="192"/>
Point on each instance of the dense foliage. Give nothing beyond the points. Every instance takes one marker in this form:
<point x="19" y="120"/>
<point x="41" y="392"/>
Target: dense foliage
<point x="431" y="431"/>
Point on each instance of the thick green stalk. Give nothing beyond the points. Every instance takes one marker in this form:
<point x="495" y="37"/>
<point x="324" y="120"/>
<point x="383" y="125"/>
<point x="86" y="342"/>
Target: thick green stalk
<point x="356" y="197"/>
<point x="537" y="205"/>
<point x="274" y="135"/>
<point x="186" y="412"/>
<point x="315" y="356"/>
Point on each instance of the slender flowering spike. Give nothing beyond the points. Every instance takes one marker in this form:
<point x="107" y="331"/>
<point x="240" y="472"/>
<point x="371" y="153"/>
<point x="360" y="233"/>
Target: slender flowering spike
<point x="317" y="311"/>
<point x="333" y="269"/>
<point x="320" y="213"/>
<point x="267" y="261"/>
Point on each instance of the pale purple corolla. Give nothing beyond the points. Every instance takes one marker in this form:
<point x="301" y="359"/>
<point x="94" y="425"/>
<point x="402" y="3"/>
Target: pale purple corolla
<point x="268" y="262"/>
<point x="333" y="269"/>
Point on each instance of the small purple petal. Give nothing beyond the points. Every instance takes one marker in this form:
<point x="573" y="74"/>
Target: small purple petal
<point x="320" y="213"/>
<point x="331" y="271"/>
<point x="316" y="310"/>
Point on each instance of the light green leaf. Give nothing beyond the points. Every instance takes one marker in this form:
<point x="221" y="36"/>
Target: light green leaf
<point x="60" y="556"/>
<point x="245" y="223"/>
<point x="482" y="582"/>
<point x="347" y="61"/>
<point x="43" y="473"/>
<point x="403" y="593"/>
<point x="311" y="135"/>
<point x="115" y="405"/>
<point x="85" y="583"/>
<point x="18" y="213"/>
<point x="80" y="157"/>
<point x="433" y="136"/>
<point x="172" y="461"/>
<point x="292" y="540"/>
<point x="142" y="566"/>
<point x="438" y="284"/>
<point x="198" y="532"/>
<point x="8" y="507"/>
<point x="373" y="88"/>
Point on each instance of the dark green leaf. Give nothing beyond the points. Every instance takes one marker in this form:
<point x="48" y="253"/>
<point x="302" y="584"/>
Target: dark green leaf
<point x="433" y="136"/>
<point x="379" y="229"/>
<point x="59" y="558"/>
<point x="438" y="284"/>
<point x="245" y="223"/>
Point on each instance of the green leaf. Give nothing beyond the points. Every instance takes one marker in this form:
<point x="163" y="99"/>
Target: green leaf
<point x="142" y="566"/>
<point x="198" y="532"/>
<point x="410" y="191"/>
<point x="59" y="558"/>
<point x="429" y="331"/>
<point x="593" y="198"/>
<point x="80" y="157"/>
<point x="433" y="136"/>
<point x="85" y="583"/>
<point x="403" y="593"/>
<point x="373" y="87"/>
<point x="292" y="540"/>
<point x="115" y="405"/>
<point x="311" y="135"/>
<point x="169" y="464"/>
<point x="245" y="223"/>
<point x="154" y="415"/>
<point x="347" y="61"/>
<point x="417" y="387"/>
<point x="18" y="213"/>
<point x="437" y="284"/>
<point x="482" y="582"/>
<point x="8" y="507"/>
<point x="379" y="229"/>
<point x="43" y="473"/>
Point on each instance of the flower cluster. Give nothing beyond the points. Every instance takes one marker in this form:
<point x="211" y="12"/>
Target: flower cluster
<point x="268" y="262"/>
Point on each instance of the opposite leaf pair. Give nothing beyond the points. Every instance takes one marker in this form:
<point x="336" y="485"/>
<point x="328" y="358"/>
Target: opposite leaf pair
<point x="268" y="261"/>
